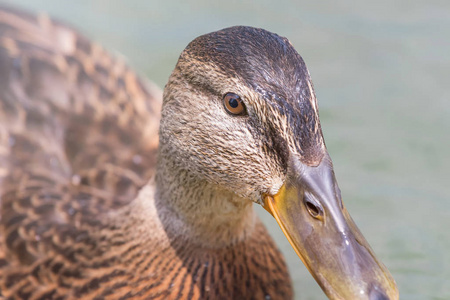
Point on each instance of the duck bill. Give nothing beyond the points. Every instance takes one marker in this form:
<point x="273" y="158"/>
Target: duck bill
<point x="310" y="212"/>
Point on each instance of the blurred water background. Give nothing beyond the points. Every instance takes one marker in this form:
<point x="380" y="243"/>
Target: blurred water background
<point x="381" y="71"/>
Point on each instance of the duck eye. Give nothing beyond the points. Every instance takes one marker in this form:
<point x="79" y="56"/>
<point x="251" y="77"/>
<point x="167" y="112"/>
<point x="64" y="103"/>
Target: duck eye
<point x="234" y="104"/>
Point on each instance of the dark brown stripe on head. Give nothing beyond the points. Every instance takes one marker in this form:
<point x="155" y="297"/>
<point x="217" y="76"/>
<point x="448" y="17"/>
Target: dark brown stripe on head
<point x="270" y="66"/>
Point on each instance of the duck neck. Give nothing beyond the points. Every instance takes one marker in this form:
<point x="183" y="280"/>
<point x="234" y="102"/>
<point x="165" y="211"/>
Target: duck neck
<point x="199" y="211"/>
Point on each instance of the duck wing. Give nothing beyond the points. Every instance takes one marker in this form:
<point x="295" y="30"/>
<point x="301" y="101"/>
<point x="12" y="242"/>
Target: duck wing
<point x="78" y="138"/>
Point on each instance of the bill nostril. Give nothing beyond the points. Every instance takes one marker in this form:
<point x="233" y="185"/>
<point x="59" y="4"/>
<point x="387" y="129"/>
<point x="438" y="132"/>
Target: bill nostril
<point x="313" y="209"/>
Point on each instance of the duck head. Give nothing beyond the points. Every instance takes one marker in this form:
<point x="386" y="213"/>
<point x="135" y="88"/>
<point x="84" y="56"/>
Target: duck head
<point x="240" y="112"/>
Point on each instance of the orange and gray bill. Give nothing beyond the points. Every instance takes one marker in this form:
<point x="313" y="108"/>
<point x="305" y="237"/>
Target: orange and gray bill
<point x="309" y="210"/>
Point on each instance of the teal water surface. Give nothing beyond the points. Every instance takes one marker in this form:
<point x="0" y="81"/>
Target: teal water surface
<point x="381" y="71"/>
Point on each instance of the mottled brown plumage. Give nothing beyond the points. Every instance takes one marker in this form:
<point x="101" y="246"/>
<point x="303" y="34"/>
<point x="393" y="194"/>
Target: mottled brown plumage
<point x="78" y="141"/>
<point x="98" y="203"/>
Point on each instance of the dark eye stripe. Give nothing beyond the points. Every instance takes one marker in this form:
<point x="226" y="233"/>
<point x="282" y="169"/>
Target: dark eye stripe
<point x="233" y="104"/>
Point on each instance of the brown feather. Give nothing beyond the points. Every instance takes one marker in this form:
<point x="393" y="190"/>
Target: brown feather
<point x="78" y="140"/>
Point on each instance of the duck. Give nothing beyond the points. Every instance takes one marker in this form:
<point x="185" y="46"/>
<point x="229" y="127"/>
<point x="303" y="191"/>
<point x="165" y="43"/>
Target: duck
<point x="112" y="189"/>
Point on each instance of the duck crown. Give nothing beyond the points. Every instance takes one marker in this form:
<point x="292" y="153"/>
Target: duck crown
<point x="267" y="64"/>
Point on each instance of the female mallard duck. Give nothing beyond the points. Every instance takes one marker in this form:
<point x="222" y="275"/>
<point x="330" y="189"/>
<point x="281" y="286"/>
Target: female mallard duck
<point x="81" y="216"/>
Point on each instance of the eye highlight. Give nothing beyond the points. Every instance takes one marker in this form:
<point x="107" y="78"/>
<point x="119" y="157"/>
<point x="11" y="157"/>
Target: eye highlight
<point x="233" y="104"/>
